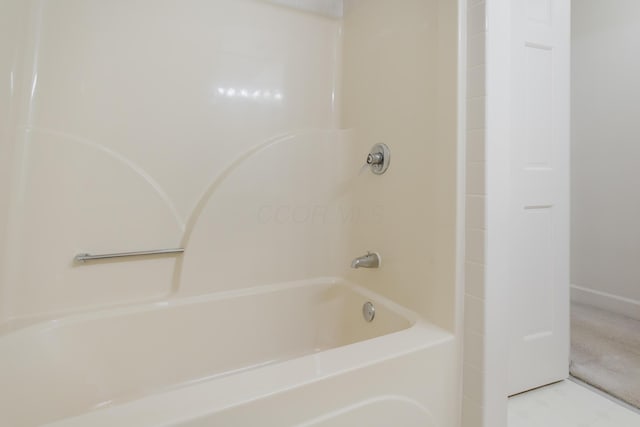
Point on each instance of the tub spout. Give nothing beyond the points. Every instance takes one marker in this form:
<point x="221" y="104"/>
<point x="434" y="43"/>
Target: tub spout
<point x="370" y="260"/>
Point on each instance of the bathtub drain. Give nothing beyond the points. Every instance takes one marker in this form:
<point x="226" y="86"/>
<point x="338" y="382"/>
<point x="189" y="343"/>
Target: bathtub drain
<point x="368" y="311"/>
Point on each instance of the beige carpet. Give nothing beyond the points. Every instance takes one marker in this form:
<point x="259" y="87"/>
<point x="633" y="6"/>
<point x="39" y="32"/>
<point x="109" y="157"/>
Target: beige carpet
<point x="605" y="351"/>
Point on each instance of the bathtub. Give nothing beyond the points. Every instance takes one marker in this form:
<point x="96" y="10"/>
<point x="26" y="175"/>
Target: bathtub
<point x="294" y="354"/>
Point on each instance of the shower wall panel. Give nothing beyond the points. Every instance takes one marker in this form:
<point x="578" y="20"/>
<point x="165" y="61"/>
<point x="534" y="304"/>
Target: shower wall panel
<point x="135" y="118"/>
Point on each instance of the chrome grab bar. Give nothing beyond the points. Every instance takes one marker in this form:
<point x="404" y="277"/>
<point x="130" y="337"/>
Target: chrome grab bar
<point x="88" y="257"/>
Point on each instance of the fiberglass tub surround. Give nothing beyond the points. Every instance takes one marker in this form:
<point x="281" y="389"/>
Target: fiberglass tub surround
<point x="236" y="130"/>
<point x="92" y="360"/>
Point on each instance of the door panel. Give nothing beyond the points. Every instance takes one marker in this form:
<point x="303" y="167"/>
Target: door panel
<point x="539" y="201"/>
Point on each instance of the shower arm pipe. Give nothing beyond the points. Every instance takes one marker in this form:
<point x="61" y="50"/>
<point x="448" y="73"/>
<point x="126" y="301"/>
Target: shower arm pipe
<point x="81" y="258"/>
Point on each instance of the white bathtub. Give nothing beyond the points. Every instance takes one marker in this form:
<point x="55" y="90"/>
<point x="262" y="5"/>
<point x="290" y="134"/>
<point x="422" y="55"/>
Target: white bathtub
<point x="291" y="354"/>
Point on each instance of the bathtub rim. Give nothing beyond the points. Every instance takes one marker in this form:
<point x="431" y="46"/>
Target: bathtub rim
<point x="53" y="321"/>
<point x="295" y="372"/>
<point x="188" y="402"/>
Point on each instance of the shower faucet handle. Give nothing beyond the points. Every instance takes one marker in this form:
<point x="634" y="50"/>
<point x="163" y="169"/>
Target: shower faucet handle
<point x="379" y="158"/>
<point x="375" y="159"/>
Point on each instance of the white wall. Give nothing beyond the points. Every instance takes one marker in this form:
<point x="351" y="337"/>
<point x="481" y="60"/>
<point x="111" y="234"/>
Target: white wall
<point x="6" y="72"/>
<point x="474" y="403"/>
<point x="605" y="247"/>
<point x="399" y="87"/>
<point x="132" y="132"/>
<point x="12" y="23"/>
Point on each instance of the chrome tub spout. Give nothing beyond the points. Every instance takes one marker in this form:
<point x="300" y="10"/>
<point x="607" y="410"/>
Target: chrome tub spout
<point x="370" y="260"/>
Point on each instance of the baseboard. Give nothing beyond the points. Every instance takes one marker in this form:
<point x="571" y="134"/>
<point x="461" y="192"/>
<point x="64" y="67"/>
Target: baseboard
<point x="624" y="306"/>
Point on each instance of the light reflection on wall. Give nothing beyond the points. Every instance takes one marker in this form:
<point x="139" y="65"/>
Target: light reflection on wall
<point x="250" y="94"/>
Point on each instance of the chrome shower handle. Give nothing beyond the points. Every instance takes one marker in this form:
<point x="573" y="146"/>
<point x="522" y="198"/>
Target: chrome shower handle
<point x="375" y="159"/>
<point x="379" y="158"/>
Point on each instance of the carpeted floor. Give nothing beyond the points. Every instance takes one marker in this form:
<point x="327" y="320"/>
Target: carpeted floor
<point x="605" y="351"/>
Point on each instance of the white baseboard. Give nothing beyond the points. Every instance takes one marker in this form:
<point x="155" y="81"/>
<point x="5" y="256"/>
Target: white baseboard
<point x="624" y="306"/>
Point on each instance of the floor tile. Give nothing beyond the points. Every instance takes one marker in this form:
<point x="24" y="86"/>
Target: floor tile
<point x="567" y="404"/>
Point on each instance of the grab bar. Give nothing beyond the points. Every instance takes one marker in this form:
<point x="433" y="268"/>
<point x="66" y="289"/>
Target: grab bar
<point x="88" y="257"/>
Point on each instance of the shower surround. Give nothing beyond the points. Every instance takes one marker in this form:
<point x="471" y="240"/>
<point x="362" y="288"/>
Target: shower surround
<point x="235" y="130"/>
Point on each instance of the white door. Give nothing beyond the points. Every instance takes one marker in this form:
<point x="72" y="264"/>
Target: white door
<point x="539" y="196"/>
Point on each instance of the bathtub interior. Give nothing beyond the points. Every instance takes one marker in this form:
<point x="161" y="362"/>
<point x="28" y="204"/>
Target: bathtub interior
<point x="238" y="130"/>
<point x="97" y="359"/>
<point x="323" y="388"/>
